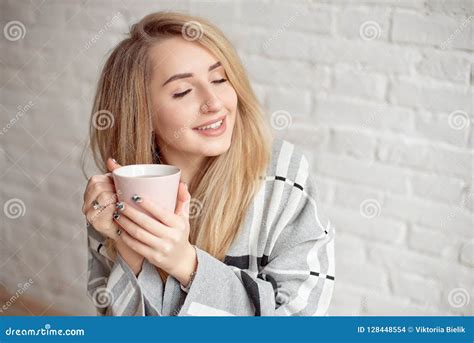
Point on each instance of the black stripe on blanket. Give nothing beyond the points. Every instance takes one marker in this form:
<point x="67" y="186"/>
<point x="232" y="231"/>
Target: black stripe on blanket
<point x="284" y="179"/>
<point x="330" y="277"/>
<point x="243" y="262"/>
<point x="252" y="290"/>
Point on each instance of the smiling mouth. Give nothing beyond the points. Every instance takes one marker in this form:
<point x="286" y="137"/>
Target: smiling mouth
<point x="212" y="126"/>
<point x="215" y="125"/>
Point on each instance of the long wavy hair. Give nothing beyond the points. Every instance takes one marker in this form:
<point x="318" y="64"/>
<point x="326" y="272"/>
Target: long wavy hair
<point x="121" y="127"/>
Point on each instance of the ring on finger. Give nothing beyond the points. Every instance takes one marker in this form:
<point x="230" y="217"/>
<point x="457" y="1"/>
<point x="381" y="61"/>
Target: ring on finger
<point x="96" y="205"/>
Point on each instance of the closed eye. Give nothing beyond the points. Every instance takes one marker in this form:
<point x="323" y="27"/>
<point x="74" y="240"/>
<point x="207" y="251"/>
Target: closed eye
<point x="219" y="81"/>
<point x="180" y="95"/>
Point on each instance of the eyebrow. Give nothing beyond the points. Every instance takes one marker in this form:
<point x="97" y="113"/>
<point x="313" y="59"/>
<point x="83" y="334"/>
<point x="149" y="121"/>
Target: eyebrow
<point x="186" y="75"/>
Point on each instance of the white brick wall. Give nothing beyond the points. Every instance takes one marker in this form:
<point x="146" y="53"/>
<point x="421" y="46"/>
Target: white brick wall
<point x="380" y="98"/>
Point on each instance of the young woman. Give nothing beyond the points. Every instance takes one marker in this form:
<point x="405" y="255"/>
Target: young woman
<point x="246" y="237"/>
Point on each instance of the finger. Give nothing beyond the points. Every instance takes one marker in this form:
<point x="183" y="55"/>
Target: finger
<point x="112" y="164"/>
<point x="93" y="186"/>
<point x="137" y="246"/>
<point x="107" y="199"/>
<point x="93" y="216"/>
<point x="94" y="193"/>
<point x="166" y="217"/>
<point x="140" y="234"/>
<point x="98" y="178"/>
<point x="183" y="200"/>
<point x="145" y="221"/>
<point x="109" y="230"/>
<point x="97" y="182"/>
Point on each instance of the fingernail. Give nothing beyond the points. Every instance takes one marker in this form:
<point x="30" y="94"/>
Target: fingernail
<point x="116" y="215"/>
<point x="136" y="198"/>
<point x="120" y="206"/>
<point x="115" y="161"/>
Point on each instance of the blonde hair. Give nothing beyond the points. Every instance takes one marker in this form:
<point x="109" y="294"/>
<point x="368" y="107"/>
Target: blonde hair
<point x="224" y="188"/>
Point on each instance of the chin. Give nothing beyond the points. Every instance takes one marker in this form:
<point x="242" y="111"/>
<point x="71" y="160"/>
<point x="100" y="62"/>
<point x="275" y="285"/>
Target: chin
<point x="216" y="148"/>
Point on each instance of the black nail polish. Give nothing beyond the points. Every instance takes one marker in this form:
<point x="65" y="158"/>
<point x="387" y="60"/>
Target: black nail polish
<point x="136" y="198"/>
<point x="116" y="215"/>
<point x="120" y="206"/>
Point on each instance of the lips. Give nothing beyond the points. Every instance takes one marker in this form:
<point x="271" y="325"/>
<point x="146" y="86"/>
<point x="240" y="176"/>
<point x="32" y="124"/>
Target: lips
<point x="213" y="132"/>
<point x="209" y="122"/>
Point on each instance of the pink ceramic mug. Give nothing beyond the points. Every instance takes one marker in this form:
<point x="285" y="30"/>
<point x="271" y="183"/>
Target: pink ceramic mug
<point x="156" y="182"/>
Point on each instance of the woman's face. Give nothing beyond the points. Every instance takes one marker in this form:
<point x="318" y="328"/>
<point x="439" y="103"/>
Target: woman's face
<point x="189" y="89"/>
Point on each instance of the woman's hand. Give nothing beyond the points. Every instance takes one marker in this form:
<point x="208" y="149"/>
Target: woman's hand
<point x="162" y="237"/>
<point x="101" y="188"/>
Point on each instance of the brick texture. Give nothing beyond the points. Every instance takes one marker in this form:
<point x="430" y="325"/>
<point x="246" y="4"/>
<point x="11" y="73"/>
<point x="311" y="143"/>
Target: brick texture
<point x="380" y="98"/>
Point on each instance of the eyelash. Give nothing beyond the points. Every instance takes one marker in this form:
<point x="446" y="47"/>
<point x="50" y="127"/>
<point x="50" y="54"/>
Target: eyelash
<point x="180" y="95"/>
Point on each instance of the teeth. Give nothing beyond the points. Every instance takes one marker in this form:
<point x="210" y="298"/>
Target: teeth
<point x="212" y="126"/>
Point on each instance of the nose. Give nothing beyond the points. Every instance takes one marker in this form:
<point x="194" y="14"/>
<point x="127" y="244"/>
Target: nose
<point x="212" y="103"/>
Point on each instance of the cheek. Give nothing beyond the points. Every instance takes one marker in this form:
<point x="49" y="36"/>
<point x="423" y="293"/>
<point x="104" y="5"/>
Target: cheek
<point x="231" y="99"/>
<point x="172" y="115"/>
<point x="233" y="106"/>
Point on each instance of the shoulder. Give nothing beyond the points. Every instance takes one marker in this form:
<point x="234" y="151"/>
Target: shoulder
<point x="287" y="161"/>
<point x="290" y="195"/>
